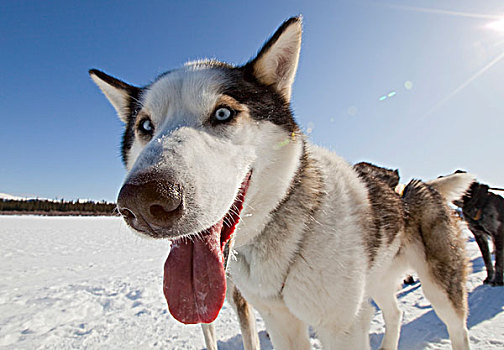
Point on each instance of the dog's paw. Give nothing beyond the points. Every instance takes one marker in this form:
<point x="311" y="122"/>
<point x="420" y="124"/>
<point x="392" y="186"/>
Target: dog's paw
<point x="487" y="280"/>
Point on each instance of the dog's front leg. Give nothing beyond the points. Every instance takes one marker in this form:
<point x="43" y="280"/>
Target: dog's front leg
<point x="245" y="315"/>
<point x="481" y="239"/>
<point x="209" y="334"/>
<point x="286" y="331"/>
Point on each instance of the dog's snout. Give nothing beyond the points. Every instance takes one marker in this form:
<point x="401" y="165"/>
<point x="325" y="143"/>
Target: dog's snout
<point x="146" y="205"/>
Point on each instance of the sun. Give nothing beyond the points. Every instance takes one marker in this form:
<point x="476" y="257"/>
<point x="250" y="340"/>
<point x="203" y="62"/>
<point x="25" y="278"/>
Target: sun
<point x="497" y="26"/>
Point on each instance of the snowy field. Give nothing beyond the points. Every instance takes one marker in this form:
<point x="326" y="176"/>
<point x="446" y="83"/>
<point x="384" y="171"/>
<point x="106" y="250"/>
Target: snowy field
<point x="89" y="283"/>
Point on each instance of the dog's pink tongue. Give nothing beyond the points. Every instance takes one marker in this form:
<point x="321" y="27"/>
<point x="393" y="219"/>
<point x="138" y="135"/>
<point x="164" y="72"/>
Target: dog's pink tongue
<point x="194" y="278"/>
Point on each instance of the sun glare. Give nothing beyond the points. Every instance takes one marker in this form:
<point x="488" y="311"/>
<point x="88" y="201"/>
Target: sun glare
<point x="497" y="26"/>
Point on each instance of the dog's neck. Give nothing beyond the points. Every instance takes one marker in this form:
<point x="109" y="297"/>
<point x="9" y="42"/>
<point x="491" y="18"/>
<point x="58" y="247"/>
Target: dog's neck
<point x="280" y="239"/>
<point x="306" y="189"/>
<point x="292" y="179"/>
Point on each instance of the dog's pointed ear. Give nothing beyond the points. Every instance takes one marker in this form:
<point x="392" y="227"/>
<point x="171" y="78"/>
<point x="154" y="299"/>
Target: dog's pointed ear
<point x="119" y="93"/>
<point x="276" y="63"/>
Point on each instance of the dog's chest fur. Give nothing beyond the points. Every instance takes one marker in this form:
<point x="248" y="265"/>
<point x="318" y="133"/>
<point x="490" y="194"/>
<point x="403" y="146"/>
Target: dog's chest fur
<point x="317" y="237"/>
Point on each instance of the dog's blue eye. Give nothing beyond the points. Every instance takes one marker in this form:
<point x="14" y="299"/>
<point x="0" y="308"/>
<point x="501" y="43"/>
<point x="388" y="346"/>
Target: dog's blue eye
<point x="146" y="126"/>
<point x="223" y="113"/>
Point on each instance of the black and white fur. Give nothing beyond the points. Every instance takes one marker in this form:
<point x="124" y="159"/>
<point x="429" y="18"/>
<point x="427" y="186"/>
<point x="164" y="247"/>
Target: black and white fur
<point x="317" y="239"/>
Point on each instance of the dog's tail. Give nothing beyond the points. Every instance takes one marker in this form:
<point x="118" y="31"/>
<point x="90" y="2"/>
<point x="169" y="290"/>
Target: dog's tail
<point x="432" y="225"/>
<point x="427" y="207"/>
<point x="452" y="187"/>
<point x="435" y="249"/>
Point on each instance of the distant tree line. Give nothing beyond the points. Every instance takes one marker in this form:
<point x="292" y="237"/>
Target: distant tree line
<point x="61" y="207"/>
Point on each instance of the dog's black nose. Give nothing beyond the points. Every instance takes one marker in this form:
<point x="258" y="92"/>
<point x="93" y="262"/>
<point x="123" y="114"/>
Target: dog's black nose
<point x="146" y="203"/>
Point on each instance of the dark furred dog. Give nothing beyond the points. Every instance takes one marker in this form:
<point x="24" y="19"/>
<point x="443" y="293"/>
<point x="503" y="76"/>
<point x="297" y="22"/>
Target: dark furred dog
<point x="484" y="213"/>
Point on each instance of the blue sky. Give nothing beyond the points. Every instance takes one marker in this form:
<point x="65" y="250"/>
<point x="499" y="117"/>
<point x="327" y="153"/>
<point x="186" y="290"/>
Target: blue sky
<point x="438" y="63"/>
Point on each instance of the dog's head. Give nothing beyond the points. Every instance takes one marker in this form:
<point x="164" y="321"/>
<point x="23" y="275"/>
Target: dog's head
<point x="474" y="200"/>
<point x="198" y="142"/>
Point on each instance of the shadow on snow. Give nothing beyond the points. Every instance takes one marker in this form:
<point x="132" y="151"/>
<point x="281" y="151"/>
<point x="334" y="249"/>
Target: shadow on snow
<point x="485" y="302"/>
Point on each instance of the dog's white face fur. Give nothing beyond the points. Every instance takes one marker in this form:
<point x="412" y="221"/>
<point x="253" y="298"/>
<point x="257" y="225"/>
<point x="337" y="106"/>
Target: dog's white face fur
<point x="173" y="129"/>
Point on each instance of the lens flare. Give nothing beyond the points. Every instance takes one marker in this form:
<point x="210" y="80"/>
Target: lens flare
<point x="389" y="95"/>
<point x="465" y="84"/>
<point x="497" y="26"/>
<point x="352" y="111"/>
<point x="445" y="12"/>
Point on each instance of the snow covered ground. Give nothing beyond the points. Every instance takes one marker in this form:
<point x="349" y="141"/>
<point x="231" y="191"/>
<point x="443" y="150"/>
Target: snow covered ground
<point x="89" y="283"/>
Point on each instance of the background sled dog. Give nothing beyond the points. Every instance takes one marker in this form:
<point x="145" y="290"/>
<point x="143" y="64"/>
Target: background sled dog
<point x="484" y="213"/>
<point x="388" y="176"/>
<point x="212" y="149"/>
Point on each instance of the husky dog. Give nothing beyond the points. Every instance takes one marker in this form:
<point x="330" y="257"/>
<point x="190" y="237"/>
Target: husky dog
<point x="484" y="213"/>
<point x="213" y="151"/>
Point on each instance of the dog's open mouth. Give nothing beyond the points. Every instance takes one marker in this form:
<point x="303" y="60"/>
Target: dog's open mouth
<point x="194" y="275"/>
